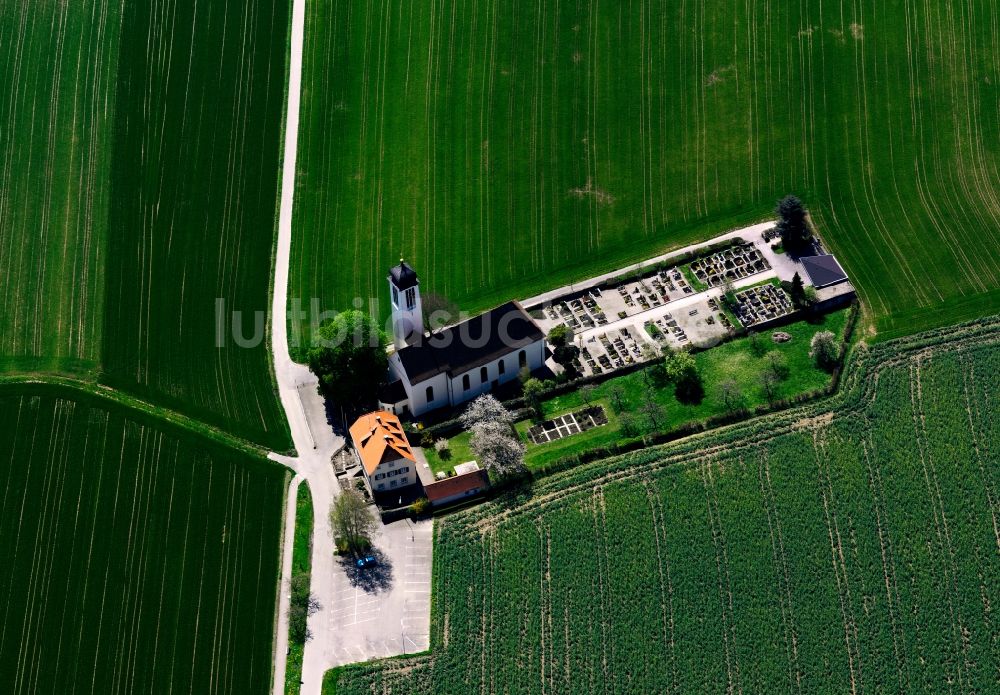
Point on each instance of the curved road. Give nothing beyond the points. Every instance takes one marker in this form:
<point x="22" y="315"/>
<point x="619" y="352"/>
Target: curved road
<point x="314" y="440"/>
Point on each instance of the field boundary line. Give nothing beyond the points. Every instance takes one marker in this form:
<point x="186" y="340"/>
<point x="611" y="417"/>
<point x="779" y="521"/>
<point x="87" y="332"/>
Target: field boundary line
<point x="146" y="413"/>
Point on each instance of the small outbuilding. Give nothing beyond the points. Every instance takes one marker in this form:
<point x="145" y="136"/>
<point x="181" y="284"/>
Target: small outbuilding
<point x="457" y="488"/>
<point x="823" y="270"/>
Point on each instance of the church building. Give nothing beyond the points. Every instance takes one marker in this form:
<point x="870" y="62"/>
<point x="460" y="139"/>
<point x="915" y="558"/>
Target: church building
<point x="457" y="363"/>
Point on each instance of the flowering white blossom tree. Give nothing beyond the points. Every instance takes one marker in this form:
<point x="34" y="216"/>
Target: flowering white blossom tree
<point x="493" y="438"/>
<point x="486" y="408"/>
<point x="497" y="448"/>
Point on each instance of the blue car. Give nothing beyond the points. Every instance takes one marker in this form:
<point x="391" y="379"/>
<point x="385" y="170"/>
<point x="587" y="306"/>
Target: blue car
<point x="366" y="561"/>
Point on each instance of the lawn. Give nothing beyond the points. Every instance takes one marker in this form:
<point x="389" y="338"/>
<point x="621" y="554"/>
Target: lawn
<point x="139" y="173"/>
<point x="736" y="361"/>
<point x="301" y="567"/>
<point x="506" y="150"/>
<point x="137" y="557"/>
<point x="460" y="451"/>
<point x="847" y="545"/>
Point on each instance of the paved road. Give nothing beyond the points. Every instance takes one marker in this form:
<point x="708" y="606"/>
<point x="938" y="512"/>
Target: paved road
<point x="748" y="233"/>
<point x="406" y="601"/>
<point x="281" y="638"/>
<point x="305" y="411"/>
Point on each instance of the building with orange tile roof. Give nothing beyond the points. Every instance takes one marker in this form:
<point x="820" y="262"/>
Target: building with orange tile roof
<point x="384" y="452"/>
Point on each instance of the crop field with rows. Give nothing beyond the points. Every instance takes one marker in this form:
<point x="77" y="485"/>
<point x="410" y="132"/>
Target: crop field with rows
<point x="139" y="168"/>
<point x="194" y="185"/>
<point x="504" y="148"/>
<point x="136" y="559"/>
<point x="58" y="63"/>
<point x="848" y="546"/>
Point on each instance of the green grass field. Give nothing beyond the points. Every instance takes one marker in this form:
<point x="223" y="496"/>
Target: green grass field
<point x="505" y="149"/>
<point x="847" y="546"/>
<point x="138" y="183"/>
<point x="737" y="362"/>
<point x="301" y="565"/>
<point x="194" y="181"/>
<point x="137" y="557"/>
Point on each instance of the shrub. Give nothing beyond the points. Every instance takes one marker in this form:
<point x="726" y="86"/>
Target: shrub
<point x="825" y="350"/>
<point x="442" y="447"/>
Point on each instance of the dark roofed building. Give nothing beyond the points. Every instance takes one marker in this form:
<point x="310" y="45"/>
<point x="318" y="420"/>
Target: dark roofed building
<point x="823" y="270"/>
<point x="463" y="361"/>
<point x="472" y="343"/>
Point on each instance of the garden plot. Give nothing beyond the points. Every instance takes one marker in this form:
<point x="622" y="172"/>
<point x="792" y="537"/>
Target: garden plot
<point x="761" y="304"/>
<point x="730" y="265"/>
<point x="569" y="424"/>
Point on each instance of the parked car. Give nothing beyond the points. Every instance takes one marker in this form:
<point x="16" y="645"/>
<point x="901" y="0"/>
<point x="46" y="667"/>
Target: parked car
<point x="366" y="561"/>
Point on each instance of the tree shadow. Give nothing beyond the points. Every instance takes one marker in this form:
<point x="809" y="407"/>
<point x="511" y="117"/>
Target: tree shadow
<point x="372" y="580"/>
<point x="690" y="392"/>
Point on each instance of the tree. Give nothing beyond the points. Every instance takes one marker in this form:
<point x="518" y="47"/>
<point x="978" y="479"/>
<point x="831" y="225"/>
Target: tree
<point x="559" y="335"/>
<point x="682" y="370"/>
<point x="652" y="410"/>
<point x="755" y="344"/>
<point x="777" y="365"/>
<point x="769" y="383"/>
<point x="443" y="448"/>
<point x="792" y="225"/>
<point x="493" y="439"/>
<point x="825" y="350"/>
<point x="731" y="394"/>
<point x="350" y="359"/>
<point x="629" y="424"/>
<point x="809" y="298"/>
<point x="352" y="521"/>
<point x="485" y="408"/>
<point x="587" y="393"/>
<point x="798" y="290"/>
<point x="533" y="390"/>
<point x="616" y="392"/>
<point x="497" y="448"/>
<point x="729" y="293"/>
<point x="301" y="606"/>
<point x="420" y="506"/>
<point x="653" y="371"/>
<point x="564" y="352"/>
<point x="566" y="355"/>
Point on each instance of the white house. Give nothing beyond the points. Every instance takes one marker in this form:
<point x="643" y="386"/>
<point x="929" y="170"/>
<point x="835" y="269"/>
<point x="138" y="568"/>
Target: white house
<point x="385" y="453"/>
<point x="457" y="363"/>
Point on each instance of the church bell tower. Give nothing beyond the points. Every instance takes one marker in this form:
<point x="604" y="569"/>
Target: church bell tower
<point x="407" y="314"/>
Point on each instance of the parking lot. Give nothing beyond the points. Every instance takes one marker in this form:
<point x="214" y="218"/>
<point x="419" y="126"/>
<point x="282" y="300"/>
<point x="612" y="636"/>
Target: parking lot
<point x="384" y="610"/>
